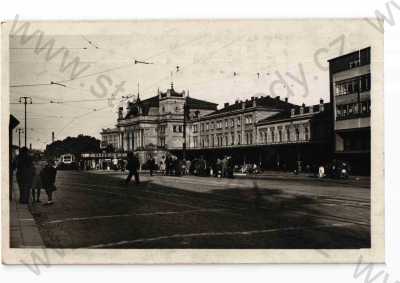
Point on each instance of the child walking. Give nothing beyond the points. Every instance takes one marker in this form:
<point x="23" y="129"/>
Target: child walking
<point x="48" y="179"/>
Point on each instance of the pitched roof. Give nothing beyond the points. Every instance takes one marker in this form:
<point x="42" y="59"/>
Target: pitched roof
<point x="263" y="101"/>
<point x="154" y="101"/>
<point x="194" y="103"/>
<point x="286" y="114"/>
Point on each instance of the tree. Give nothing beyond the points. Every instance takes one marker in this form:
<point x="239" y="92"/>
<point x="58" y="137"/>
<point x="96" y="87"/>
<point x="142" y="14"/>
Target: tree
<point x="74" y="145"/>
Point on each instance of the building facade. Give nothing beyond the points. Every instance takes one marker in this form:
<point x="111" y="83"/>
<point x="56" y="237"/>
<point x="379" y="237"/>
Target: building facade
<point x="268" y="131"/>
<point x="111" y="138"/>
<point x="350" y="87"/>
<point x="296" y="138"/>
<point x="153" y="126"/>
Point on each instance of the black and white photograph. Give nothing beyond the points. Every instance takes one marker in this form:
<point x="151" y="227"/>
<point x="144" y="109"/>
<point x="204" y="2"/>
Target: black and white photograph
<point x="241" y="138"/>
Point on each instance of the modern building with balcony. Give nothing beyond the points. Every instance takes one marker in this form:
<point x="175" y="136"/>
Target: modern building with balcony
<point x="350" y="85"/>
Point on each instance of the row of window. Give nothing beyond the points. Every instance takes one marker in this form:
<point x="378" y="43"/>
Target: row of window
<point x="353" y="110"/>
<point x="111" y="139"/>
<point x="227" y="123"/>
<point x="353" y="85"/>
<point x="222" y="140"/>
<point x="161" y="141"/>
<point x="287" y="134"/>
<point x="134" y="139"/>
<point x="175" y="129"/>
<point x="271" y="135"/>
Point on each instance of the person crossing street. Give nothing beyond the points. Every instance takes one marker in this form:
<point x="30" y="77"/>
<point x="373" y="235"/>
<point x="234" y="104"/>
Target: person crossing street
<point x="133" y="168"/>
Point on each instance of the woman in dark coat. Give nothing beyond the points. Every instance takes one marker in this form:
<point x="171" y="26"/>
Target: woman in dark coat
<point x="48" y="179"/>
<point x="25" y="174"/>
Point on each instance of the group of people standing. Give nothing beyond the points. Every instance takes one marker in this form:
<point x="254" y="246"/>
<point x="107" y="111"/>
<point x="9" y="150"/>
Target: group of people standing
<point x="30" y="182"/>
<point x="175" y="166"/>
<point x="224" y="167"/>
<point x="170" y="165"/>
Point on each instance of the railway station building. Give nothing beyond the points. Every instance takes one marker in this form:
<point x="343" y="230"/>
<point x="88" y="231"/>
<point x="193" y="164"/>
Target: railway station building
<point x="268" y="131"/>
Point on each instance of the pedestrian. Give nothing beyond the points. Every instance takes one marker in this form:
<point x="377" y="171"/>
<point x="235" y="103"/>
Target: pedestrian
<point x="229" y="167"/>
<point x="218" y="168"/>
<point x="133" y="168"/>
<point x="224" y="168"/>
<point x="152" y="165"/>
<point x="25" y="174"/>
<point x="321" y="172"/>
<point x="168" y="165"/>
<point x="48" y="179"/>
<point x="162" y="166"/>
<point x="183" y="167"/>
<point x="36" y="188"/>
<point x="188" y="166"/>
<point x="255" y="168"/>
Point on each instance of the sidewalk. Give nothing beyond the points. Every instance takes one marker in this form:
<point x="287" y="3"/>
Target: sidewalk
<point x="24" y="232"/>
<point x="363" y="181"/>
<point x="360" y="181"/>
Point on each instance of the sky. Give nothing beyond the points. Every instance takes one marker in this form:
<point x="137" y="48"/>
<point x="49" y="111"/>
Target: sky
<point x="219" y="61"/>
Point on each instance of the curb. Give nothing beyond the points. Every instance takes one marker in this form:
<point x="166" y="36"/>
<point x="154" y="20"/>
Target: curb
<point x="24" y="232"/>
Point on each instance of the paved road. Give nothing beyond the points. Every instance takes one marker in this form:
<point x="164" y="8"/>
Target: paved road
<point x="95" y="210"/>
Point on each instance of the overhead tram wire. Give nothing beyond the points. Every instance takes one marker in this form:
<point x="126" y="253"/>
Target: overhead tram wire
<point x="121" y="67"/>
<point x="68" y="101"/>
<point x="30" y="85"/>
<point x="130" y="65"/>
<point x="107" y="70"/>
<point x="186" y="67"/>
<point x="42" y="48"/>
<point x="57" y="132"/>
<point x="80" y="116"/>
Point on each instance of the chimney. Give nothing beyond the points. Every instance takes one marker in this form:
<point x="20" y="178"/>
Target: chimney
<point x="254" y="102"/>
<point x="226" y="104"/>
<point x="286" y="99"/>
<point x="243" y="104"/>
<point x="311" y="109"/>
<point x="120" y="111"/>
<point x="302" y="108"/>
<point x="278" y="97"/>
<point x="292" y="112"/>
<point x="52" y="137"/>
<point x="321" y="105"/>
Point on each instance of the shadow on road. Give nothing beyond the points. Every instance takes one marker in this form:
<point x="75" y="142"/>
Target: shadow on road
<point x="271" y="218"/>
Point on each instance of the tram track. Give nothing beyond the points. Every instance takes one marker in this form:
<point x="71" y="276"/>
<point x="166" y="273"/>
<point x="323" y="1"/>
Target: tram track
<point x="226" y="202"/>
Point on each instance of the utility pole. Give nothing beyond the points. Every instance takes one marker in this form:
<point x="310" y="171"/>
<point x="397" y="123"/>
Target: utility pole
<point x="19" y="130"/>
<point x="26" y="99"/>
